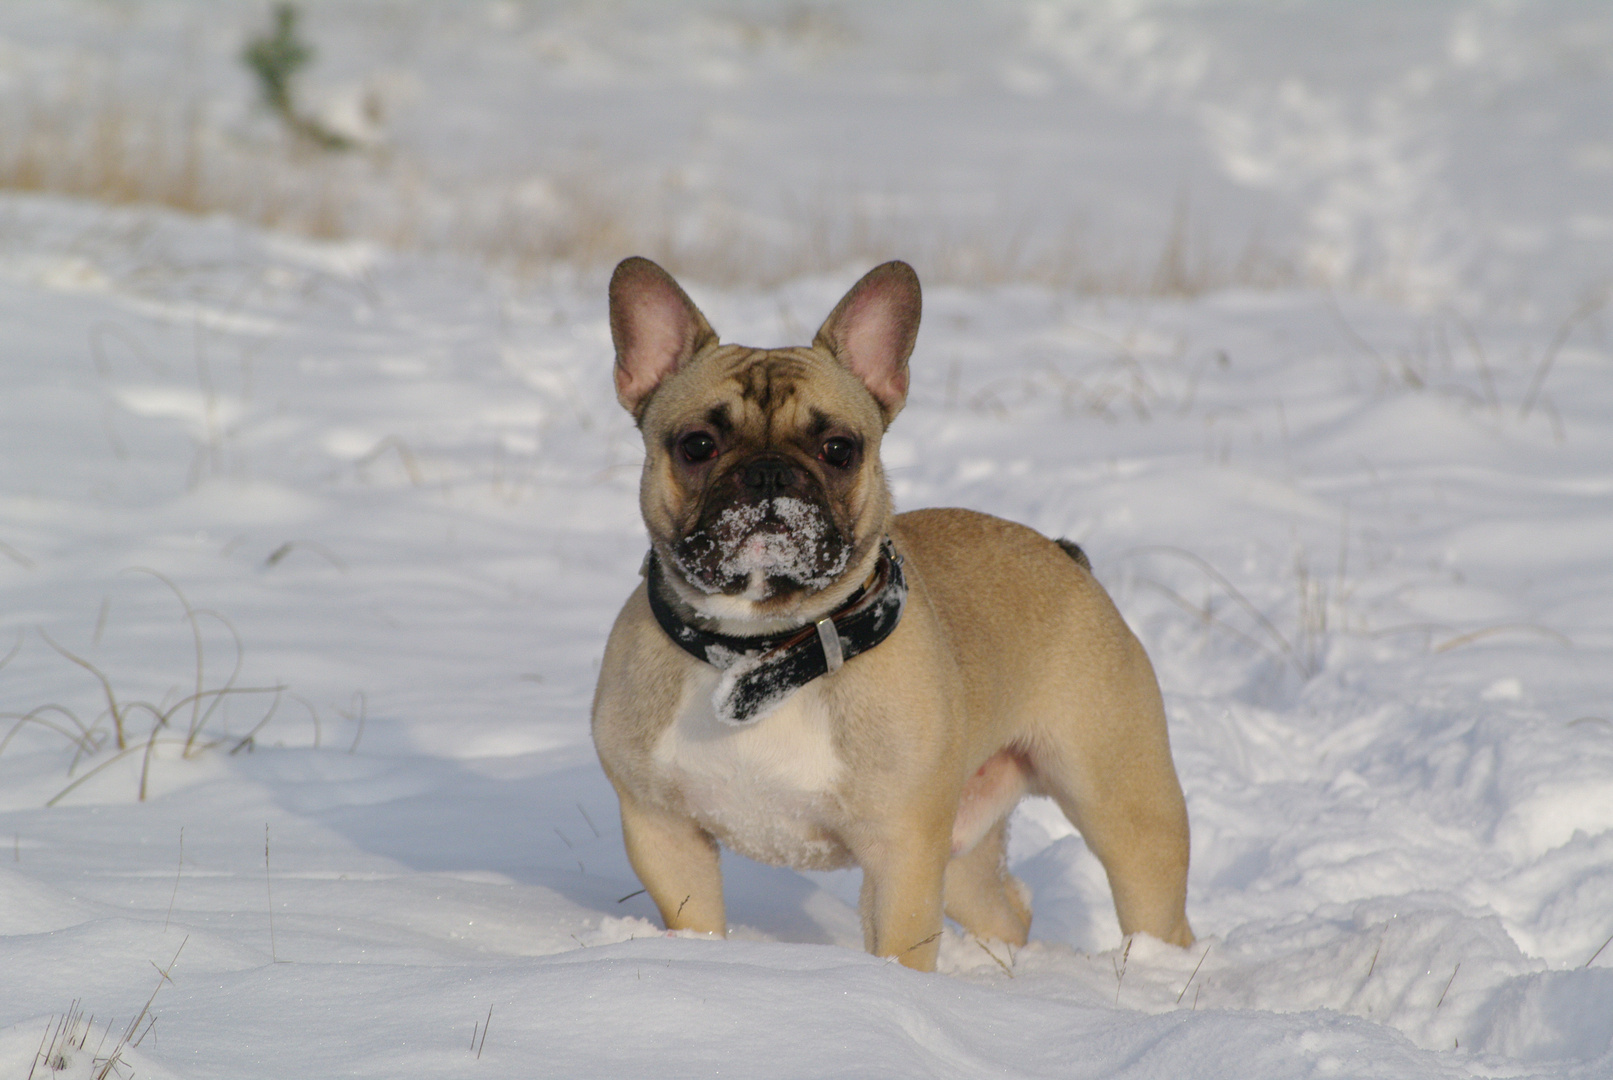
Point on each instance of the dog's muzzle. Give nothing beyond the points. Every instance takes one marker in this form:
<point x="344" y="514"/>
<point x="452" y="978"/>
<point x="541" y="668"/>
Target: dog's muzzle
<point x="766" y="532"/>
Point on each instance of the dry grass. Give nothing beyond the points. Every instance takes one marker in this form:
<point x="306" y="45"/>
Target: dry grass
<point x="127" y="727"/>
<point x="113" y="148"/>
<point x="95" y="145"/>
<point x="66" y="1038"/>
<point x="1302" y="650"/>
<point x="1447" y="356"/>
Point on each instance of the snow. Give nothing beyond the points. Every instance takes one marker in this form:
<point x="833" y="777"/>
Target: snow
<point x="1356" y="502"/>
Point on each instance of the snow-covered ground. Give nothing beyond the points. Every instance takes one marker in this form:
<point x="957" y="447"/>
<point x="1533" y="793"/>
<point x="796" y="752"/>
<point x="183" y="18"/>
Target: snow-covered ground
<point x="1360" y="517"/>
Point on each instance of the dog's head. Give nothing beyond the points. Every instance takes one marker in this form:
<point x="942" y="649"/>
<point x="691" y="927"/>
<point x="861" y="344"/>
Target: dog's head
<point x="762" y="486"/>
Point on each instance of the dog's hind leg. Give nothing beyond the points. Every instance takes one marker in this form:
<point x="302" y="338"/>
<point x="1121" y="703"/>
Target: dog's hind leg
<point x="1125" y="800"/>
<point x="982" y="897"/>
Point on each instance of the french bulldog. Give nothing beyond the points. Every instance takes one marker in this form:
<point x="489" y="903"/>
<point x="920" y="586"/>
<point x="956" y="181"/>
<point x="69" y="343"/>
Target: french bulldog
<point x="815" y="681"/>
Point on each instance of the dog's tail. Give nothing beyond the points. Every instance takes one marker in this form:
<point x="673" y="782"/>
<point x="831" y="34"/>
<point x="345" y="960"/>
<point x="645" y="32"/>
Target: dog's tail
<point x="1073" y="550"/>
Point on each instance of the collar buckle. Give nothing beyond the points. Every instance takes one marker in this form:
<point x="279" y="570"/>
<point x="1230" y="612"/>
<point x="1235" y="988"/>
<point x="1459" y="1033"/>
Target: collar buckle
<point x="829" y="638"/>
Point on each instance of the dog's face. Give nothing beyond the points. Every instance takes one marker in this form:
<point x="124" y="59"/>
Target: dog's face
<point x="762" y="487"/>
<point x="763" y="473"/>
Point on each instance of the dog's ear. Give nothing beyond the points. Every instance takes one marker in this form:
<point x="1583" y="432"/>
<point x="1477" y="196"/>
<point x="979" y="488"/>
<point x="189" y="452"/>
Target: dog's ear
<point x="656" y="329"/>
<point x="872" y="331"/>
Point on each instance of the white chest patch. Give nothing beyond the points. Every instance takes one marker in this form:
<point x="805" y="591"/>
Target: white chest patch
<point x="766" y="789"/>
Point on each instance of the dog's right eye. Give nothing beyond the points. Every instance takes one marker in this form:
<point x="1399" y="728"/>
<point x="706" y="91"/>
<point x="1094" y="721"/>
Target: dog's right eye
<point x="697" y="446"/>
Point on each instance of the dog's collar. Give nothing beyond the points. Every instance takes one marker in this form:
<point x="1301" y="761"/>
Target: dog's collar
<point x="760" y="672"/>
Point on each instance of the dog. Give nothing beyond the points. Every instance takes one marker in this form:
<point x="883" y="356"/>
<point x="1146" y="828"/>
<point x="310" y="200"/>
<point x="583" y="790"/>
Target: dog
<point x="815" y="681"/>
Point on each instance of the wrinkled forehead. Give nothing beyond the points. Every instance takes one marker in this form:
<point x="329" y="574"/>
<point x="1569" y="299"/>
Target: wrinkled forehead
<point x="774" y="393"/>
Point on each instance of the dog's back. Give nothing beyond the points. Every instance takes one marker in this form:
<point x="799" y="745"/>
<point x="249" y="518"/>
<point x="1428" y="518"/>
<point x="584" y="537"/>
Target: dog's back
<point x="1026" y="619"/>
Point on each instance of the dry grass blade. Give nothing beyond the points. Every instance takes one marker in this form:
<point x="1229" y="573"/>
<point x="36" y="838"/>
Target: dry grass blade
<point x="1427" y="629"/>
<point x="313" y="714"/>
<point x="145" y="760"/>
<point x="106" y="686"/>
<point x="15" y="649"/>
<point x="1480" y="360"/>
<point x="1204" y="614"/>
<point x="102" y="767"/>
<point x="16" y="556"/>
<point x="40" y="1052"/>
<point x="485" y="1025"/>
<point x="889" y="959"/>
<point x="229" y="684"/>
<point x="592" y="827"/>
<point x="100" y="621"/>
<point x="1598" y="952"/>
<point x="360" y="714"/>
<point x="83" y="740"/>
<point x="179" y="873"/>
<point x="221" y="691"/>
<point x="247" y="739"/>
<point x="1193" y="976"/>
<point x="196" y="637"/>
<point x="278" y="554"/>
<point x="1120" y="969"/>
<point x="1490" y="631"/>
<point x="268" y="892"/>
<point x="1579" y="315"/>
<point x="405" y="455"/>
<point x="1447" y="989"/>
<point x="1007" y="969"/>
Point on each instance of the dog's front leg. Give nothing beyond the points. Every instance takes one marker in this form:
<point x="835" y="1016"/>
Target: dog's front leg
<point x="903" y="870"/>
<point x="680" y="866"/>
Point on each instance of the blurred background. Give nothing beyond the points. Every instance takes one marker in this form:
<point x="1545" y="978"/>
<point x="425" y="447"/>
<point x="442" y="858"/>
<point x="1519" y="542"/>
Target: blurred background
<point x="1448" y="152"/>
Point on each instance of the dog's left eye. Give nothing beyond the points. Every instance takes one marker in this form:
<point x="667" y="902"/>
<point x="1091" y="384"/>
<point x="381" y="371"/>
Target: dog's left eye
<point x="838" y="452"/>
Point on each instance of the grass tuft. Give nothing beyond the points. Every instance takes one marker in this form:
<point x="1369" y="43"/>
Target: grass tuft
<point x="67" y="1037"/>
<point x="188" y="723"/>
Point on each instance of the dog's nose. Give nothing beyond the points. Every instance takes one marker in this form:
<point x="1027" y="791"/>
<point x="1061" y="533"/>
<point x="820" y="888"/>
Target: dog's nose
<point x="769" y="476"/>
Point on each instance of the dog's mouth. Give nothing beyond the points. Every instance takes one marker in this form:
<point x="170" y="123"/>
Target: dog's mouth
<point x="763" y="550"/>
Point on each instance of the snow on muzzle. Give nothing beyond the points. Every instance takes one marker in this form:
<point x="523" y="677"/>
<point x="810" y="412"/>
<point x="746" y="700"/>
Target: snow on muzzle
<point x="762" y="548"/>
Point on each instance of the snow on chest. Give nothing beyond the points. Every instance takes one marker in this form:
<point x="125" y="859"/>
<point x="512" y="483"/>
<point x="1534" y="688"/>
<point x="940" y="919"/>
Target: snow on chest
<point x="766" y="789"/>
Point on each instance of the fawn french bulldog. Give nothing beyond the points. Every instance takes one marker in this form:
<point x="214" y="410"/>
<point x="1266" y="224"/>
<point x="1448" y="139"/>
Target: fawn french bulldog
<point x="816" y="681"/>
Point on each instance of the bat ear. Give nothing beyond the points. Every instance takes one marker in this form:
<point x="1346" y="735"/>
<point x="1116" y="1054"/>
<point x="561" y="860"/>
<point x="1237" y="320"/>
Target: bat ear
<point x="872" y="330"/>
<point x="655" y="327"/>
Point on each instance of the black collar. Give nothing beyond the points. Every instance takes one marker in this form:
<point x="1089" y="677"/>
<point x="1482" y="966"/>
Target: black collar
<point x="760" y="672"/>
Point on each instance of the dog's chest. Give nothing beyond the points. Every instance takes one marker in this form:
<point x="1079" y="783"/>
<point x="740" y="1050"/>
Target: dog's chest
<point x="765" y="789"/>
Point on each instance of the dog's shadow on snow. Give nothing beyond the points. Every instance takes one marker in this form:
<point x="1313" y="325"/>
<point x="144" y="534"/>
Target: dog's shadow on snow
<point x="547" y="820"/>
<point x="550" y="820"/>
